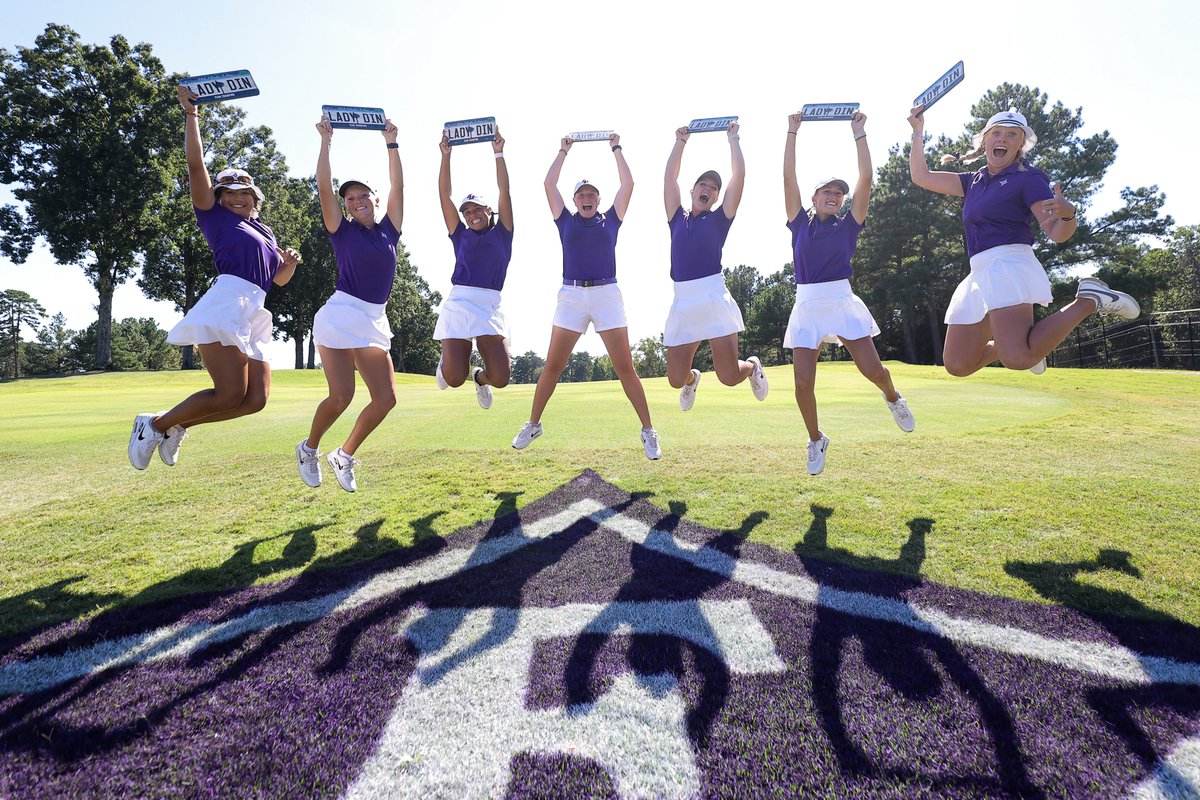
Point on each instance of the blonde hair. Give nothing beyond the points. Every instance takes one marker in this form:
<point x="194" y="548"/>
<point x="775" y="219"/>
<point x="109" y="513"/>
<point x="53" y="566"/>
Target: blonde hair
<point x="979" y="152"/>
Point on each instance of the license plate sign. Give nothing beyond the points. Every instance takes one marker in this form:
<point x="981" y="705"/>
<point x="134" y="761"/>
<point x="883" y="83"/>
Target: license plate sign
<point x="817" y="112"/>
<point x="940" y="87"/>
<point x="589" y="136"/>
<point x="222" y="86"/>
<point x="357" y="118"/>
<point x="710" y="124"/>
<point x="470" y="131"/>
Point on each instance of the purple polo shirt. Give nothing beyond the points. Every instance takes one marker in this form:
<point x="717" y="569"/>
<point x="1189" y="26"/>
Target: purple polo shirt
<point x="589" y="245"/>
<point x="821" y="251"/>
<point x="481" y="257"/>
<point x="696" y="242"/>
<point x="996" y="207"/>
<point x="241" y="247"/>
<point x="366" y="258"/>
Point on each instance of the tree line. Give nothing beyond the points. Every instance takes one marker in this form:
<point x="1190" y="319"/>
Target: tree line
<point x="89" y="139"/>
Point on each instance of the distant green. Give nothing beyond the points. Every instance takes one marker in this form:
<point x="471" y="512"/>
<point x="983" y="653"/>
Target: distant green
<point x="1077" y="487"/>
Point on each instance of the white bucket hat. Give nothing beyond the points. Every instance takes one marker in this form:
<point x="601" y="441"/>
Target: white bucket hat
<point x="1010" y="118"/>
<point x="236" y="179"/>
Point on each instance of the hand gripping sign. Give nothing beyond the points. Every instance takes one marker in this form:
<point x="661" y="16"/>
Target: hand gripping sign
<point x="828" y="111"/>
<point x="710" y="124"/>
<point x="355" y="117"/>
<point x="589" y="136"/>
<point x="470" y="131"/>
<point x="221" y="86"/>
<point x="940" y="87"/>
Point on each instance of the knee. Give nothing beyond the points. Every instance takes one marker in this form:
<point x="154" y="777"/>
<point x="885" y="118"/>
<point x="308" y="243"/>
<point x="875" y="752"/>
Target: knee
<point x="385" y="401"/>
<point x="959" y="369"/>
<point x="253" y="403"/>
<point x="875" y="374"/>
<point x="454" y="378"/>
<point x="340" y="400"/>
<point x="1019" y="361"/>
<point x="500" y="381"/>
<point x="729" y="376"/>
<point x="229" y="398"/>
<point x="678" y="381"/>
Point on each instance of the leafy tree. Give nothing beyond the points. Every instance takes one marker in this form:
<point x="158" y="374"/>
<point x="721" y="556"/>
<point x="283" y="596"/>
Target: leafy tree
<point x="179" y="265"/>
<point x="83" y="137"/>
<point x="410" y="312"/>
<point x="767" y="317"/>
<point x="52" y="353"/>
<point x="137" y="345"/>
<point x="17" y="309"/>
<point x="578" y="369"/>
<point x="527" y="368"/>
<point x="650" y="357"/>
<point x="602" y="369"/>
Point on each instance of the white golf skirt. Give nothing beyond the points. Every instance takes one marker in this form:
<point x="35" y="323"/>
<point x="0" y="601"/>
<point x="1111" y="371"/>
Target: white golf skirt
<point x="347" y="322"/>
<point x="702" y="309"/>
<point x="230" y="313"/>
<point x="1007" y="275"/>
<point x="470" y="311"/>
<point x="826" y="311"/>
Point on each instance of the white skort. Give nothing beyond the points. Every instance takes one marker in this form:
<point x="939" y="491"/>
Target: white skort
<point x="347" y="322"/>
<point x="1007" y="275"/>
<point x="602" y="306"/>
<point x="827" y="312"/>
<point x="702" y="309"/>
<point x="470" y="311"/>
<point x="230" y="313"/>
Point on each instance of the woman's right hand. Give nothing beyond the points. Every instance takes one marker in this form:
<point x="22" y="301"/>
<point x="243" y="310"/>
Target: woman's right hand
<point x="566" y="143"/>
<point x="916" y="118"/>
<point x="444" y="145"/>
<point x="681" y="134"/>
<point x="794" y="121"/>
<point x="325" y="129"/>
<point x="187" y="98"/>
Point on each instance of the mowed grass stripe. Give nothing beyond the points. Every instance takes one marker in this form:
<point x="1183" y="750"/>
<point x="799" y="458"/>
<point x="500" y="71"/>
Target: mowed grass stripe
<point x="1012" y="470"/>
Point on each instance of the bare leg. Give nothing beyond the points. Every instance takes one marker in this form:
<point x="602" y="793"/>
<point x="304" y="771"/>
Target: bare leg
<point x="338" y="366"/>
<point x="258" y="389"/>
<point x="730" y="370"/>
<point x="497" y="366"/>
<point x="1020" y="344"/>
<point x="456" y="361"/>
<point x="616" y="341"/>
<point x="679" y="364"/>
<point x="866" y="358"/>
<point x="375" y="367"/>
<point x="229" y="369"/>
<point x="562" y="343"/>
<point x="804" y="367"/>
<point x="968" y="348"/>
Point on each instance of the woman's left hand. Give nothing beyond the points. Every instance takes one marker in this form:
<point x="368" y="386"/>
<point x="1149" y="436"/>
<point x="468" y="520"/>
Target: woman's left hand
<point x="390" y="131"/>
<point x="614" y="139"/>
<point x="289" y="257"/>
<point x="498" y="142"/>
<point x="857" y="122"/>
<point x="1057" y="206"/>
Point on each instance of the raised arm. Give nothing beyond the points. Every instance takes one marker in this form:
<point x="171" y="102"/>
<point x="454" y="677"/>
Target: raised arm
<point x="504" y="201"/>
<point x="395" y="201"/>
<point x="671" y="194"/>
<point x="199" y="182"/>
<point x="737" y="173"/>
<point x="862" y="189"/>
<point x="331" y="212"/>
<point x="449" y="210"/>
<point x="922" y="175"/>
<point x="553" y="195"/>
<point x="791" y="189"/>
<point x="625" y="190"/>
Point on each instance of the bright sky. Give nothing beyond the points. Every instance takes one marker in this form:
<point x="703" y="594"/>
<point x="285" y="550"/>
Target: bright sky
<point x="545" y="68"/>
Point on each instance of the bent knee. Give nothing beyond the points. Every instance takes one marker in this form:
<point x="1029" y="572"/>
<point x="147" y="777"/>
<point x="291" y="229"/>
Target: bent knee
<point x="959" y="369"/>
<point x="499" y="382"/>
<point x="730" y="377"/>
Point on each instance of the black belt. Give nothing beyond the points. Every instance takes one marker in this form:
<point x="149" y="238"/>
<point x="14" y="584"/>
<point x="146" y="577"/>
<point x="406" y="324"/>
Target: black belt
<point x="596" y="282"/>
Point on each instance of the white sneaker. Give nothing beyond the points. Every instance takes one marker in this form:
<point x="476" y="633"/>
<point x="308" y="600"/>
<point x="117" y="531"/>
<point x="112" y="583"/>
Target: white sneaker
<point x="483" y="392"/>
<point x="650" y="444"/>
<point x="343" y="468"/>
<point x="1108" y="301"/>
<point x="758" y="379"/>
<point x="816" y="454"/>
<point x="168" y="448"/>
<point x="687" y="395"/>
<point x="528" y="433"/>
<point x="1038" y="368"/>
<point x="900" y="413"/>
<point x="309" y="463"/>
<point x="143" y="440"/>
<point x="437" y="376"/>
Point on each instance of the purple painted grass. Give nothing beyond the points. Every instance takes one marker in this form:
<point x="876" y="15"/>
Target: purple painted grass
<point x="865" y="708"/>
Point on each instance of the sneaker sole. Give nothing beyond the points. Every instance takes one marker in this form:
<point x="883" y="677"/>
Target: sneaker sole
<point x="523" y="446"/>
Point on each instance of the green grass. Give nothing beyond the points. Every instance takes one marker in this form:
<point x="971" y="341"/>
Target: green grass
<point x="1043" y="475"/>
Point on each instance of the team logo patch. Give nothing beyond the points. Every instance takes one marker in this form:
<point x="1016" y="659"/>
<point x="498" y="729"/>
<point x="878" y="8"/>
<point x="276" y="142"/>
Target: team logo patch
<point x="595" y="645"/>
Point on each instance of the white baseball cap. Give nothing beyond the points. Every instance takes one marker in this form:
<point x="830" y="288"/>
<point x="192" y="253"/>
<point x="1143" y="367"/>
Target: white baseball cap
<point x="583" y="183"/>
<point x="477" y="199"/>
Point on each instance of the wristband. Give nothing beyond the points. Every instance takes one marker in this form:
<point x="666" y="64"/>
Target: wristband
<point x="862" y="135"/>
<point x="500" y="154"/>
<point x="564" y="152"/>
<point x="616" y="147"/>
<point x="1068" y="219"/>
<point x="791" y="133"/>
<point x="393" y="146"/>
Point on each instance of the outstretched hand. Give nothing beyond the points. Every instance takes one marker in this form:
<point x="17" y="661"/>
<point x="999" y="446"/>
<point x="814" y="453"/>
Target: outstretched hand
<point x="325" y="129"/>
<point x="390" y="131"/>
<point x="498" y="142"/>
<point x="682" y="134"/>
<point x="187" y="98"/>
<point x="444" y="145"/>
<point x="1057" y="206"/>
<point x="566" y="143"/>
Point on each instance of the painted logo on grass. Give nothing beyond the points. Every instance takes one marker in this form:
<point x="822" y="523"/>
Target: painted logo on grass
<point x="595" y="645"/>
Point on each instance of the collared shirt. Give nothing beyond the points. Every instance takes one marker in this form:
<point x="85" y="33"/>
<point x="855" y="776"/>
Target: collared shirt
<point x="996" y="207"/>
<point x="696" y="243"/>
<point x="589" y="245"/>
<point x="821" y="251"/>
<point x="366" y="258"/>
<point x="481" y="257"/>
<point x="241" y="247"/>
